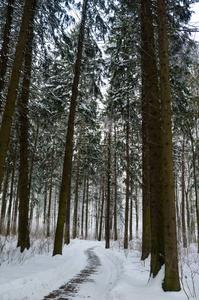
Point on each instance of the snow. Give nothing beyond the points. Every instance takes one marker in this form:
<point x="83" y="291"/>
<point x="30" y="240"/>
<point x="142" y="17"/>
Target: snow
<point x="121" y="275"/>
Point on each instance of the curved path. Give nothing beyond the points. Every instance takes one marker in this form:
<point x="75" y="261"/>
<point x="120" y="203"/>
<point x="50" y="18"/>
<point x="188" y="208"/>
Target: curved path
<point x="68" y="290"/>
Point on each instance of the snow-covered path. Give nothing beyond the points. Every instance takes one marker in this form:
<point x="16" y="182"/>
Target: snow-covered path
<point x="116" y="275"/>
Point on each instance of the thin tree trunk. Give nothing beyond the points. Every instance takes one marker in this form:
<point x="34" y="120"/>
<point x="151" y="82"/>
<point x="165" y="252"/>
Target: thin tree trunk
<point x="102" y="211"/>
<point x="83" y="202"/>
<point x="77" y="186"/>
<point x="68" y="204"/>
<point x="44" y="208"/>
<point x="86" y="221"/>
<point x="50" y="192"/>
<point x="136" y="210"/>
<point x="171" y="279"/>
<point x="115" y="179"/>
<point x="184" y="237"/>
<point x="126" y="227"/>
<point x="3" y="204"/>
<point x="15" y="210"/>
<point x="108" y="202"/>
<point x="31" y="172"/>
<point x="131" y="214"/>
<point x="195" y="187"/>
<point x="11" y="193"/>
<point x="69" y="140"/>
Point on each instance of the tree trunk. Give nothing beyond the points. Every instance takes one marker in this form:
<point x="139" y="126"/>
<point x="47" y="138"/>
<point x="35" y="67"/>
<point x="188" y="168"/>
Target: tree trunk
<point x="131" y="214"/>
<point x="50" y="192"/>
<point x="3" y="204"/>
<point x="15" y="210"/>
<point x="13" y="85"/>
<point x="171" y="280"/>
<point x="108" y="202"/>
<point x="136" y="210"/>
<point x="4" y="55"/>
<point x="68" y="203"/>
<point x="102" y="211"/>
<point x="69" y="140"/>
<point x="77" y="186"/>
<point x="31" y="172"/>
<point x="115" y="194"/>
<point x="195" y="186"/>
<point x="83" y="202"/>
<point x="86" y="221"/>
<point x="152" y="131"/>
<point x="126" y="227"/>
<point x="24" y="195"/>
<point x="11" y="193"/>
<point x="184" y="237"/>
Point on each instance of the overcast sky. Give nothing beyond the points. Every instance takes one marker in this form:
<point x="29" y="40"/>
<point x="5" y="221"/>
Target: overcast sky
<point x="195" y="20"/>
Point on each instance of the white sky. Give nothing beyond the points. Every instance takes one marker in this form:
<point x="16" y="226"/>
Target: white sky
<point x="194" y="22"/>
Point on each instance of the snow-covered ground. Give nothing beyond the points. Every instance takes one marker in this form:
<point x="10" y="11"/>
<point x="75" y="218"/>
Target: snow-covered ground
<point x="121" y="275"/>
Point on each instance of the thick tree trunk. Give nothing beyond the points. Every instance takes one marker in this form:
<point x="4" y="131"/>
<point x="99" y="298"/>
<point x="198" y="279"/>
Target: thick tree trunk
<point x="13" y="86"/>
<point x="171" y="280"/>
<point x="4" y="55"/>
<point x="69" y="140"/>
<point x="24" y="194"/>
<point x="152" y="130"/>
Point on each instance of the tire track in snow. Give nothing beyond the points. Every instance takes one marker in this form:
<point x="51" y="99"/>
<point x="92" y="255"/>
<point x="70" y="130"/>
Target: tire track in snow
<point x="68" y="290"/>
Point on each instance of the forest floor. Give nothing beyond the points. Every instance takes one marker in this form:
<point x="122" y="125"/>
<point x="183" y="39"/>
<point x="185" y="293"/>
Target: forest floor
<point x="87" y="270"/>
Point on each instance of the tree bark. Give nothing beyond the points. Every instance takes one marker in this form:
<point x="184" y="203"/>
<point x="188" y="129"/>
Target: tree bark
<point x="126" y="227"/>
<point x="108" y="201"/>
<point x="152" y="131"/>
<point x="184" y="237"/>
<point x="171" y="279"/>
<point x="24" y="195"/>
<point x="69" y="139"/>
<point x="83" y="202"/>
<point x="77" y="186"/>
<point x="50" y="192"/>
<point x="4" y="55"/>
<point x="102" y="211"/>
<point x="86" y="218"/>
<point x="115" y="179"/>
<point x="11" y="193"/>
<point x="13" y="85"/>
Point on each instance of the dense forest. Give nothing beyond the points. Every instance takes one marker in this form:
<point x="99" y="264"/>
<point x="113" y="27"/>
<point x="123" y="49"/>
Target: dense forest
<point x="99" y="138"/>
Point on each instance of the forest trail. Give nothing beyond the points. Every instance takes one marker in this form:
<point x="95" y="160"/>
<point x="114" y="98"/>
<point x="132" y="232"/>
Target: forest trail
<point x="95" y="281"/>
<point x="71" y="288"/>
